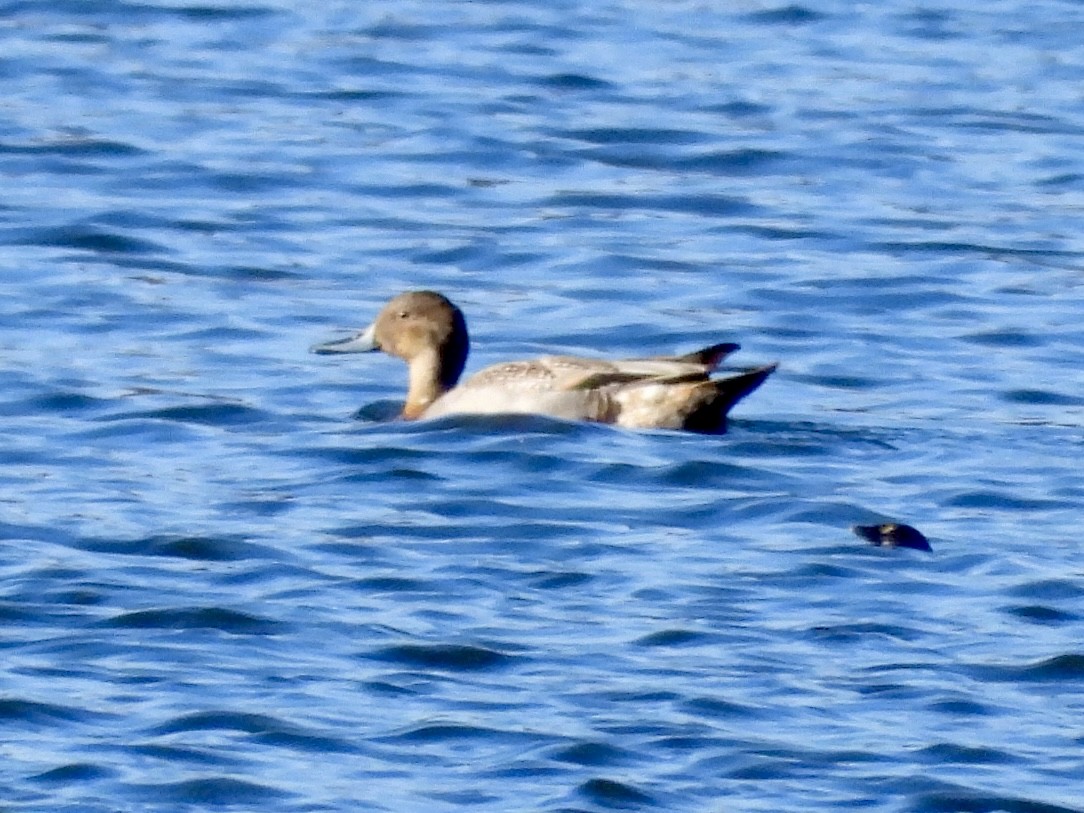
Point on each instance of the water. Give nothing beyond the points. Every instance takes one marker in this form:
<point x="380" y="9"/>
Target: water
<point x="223" y="587"/>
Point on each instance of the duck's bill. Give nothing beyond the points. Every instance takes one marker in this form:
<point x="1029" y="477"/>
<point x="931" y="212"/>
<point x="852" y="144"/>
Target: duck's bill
<point x="364" y="342"/>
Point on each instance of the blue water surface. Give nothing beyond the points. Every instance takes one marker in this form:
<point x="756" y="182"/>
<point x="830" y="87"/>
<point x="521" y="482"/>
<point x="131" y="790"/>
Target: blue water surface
<point x="225" y="585"/>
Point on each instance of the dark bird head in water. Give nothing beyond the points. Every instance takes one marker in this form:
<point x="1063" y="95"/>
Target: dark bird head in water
<point x="893" y="535"/>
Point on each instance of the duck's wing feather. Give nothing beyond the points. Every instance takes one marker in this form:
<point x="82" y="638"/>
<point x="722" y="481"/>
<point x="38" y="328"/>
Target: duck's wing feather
<point x="567" y="373"/>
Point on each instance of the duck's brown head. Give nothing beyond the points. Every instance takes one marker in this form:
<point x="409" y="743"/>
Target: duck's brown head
<point x="425" y="330"/>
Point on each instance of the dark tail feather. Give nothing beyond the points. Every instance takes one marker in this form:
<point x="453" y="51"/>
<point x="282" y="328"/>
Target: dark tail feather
<point x="710" y="415"/>
<point x="710" y="357"/>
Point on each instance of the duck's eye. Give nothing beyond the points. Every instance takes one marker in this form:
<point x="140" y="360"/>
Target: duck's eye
<point x="403" y="314"/>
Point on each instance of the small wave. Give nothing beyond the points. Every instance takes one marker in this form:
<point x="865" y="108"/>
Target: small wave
<point x="217" y="791"/>
<point x="706" y="205"/>
<point x="635" y="135"/>
<point x="676" y="637"/>
<point x="1000" y="500"/>
<point x="786" y="15"/>
<point x="948" y="753"/>
<point x="610" y="793"/>
<point x="1049" y="590"/>
<point x="560" y="580"/>
<point x="965" y="799"/>
<point x="444" y="657"/>
<point x="74" y="147"/>
<point x="443" y="732"/>
<point x="1066" y="668"/>
<point x="719" y="709"/>
<point x="746" y="161"/>
<point x="594" y="754"/>
<point x="573" y="81"/>
<point x="394" y="584"/>
<point x="14" y="711"/>
<point x="196" y="548"/>
<point x="75" y="773"/>
<point x="60" y="401"/>
<point x="94" y="240"/>
<point x="216" y="414"/>
<point x="266" y="728"/>
<point x="1041" y="614"/>
<point x="1004" y="337"/>
<point x="216" y="618"/>
<point x="838" y="633"/>
<point x="1041" y="397"/>
<point x="948" y="248"/>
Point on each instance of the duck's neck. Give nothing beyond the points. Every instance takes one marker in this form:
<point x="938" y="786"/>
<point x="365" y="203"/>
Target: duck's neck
<point x="427" y="383"/>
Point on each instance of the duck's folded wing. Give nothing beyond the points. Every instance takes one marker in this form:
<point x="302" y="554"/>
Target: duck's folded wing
<point x="526" y="387"/>
<point x="564" y="373"/>
<point x="532" y="375"/>
<point x="570" y="372"/>
<point x="594" y="381"/>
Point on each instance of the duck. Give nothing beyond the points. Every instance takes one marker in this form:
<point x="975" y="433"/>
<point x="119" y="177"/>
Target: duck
<point x="427" y="331"/>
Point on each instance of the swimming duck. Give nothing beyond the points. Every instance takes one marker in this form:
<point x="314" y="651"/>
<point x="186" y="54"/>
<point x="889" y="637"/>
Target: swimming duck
<point x="430" y="334"/>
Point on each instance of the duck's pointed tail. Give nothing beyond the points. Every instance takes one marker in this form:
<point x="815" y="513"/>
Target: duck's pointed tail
<point x="721" y="395"/>
<point x="712" y="356"/>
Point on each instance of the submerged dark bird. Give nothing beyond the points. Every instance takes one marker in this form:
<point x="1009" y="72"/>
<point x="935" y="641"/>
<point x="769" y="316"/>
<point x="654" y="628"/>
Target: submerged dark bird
<point x="668" y="392"/>
<point x="893" y="535"/>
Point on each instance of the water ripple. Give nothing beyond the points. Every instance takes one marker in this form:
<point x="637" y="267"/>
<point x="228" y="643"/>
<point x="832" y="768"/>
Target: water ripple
<point x="610" y="794"/>
<point x="444" y="657"/>
<point x="214" y="791"/>
<point x="177" y="618"/>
